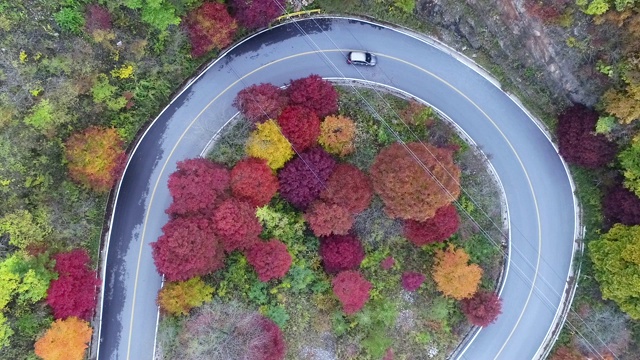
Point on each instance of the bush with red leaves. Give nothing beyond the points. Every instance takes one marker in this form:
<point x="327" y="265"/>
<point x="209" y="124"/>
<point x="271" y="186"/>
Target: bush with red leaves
<point x="348" y="187"/>
<point x="352" y="289"/>
<point x="387" y="263"/>
<point x="300" y="125"/>
<point x="577" y="140"/>
<point x="209" y="26"/>
<point x="187" y="248"/>
<point x="328" y="219"/>
<point x="261" y="102"/>
<point x="621" y="206"/>
<point x="270" y="259"/>
<point x="436" y="229"/>
<point x="411" y="281"/>
<point x="388" y="355"/>
<point x="303" y="178"/>
<point x="254" y="14"/>
<point x="272" y="345"/>
<point x="483" y="308"/>
<point x="341" y="252"/>
<point x="236" y="224"/>
<point x="74" y="292"/>
<point x="197" y="186"/>
<point x="315" y="93"/>
<point x="253" y="181"/>
<point x="97" y="18"/>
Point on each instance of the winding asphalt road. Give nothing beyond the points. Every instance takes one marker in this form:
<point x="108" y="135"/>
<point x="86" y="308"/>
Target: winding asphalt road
<point x="537" y="187"/>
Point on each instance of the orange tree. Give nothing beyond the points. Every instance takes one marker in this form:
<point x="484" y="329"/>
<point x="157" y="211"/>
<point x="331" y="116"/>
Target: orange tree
<point x="453" y="274"/>
<point x="65" y="340"/>
<point x="337" y="134"/>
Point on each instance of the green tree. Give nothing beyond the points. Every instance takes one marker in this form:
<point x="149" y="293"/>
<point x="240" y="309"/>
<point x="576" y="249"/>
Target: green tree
<point x="25" y="278"/>
<point x="616" y="259"/>
<point x="630" y="162"/>
<point x="5" y="331"/>
<point x="25" y="229"/>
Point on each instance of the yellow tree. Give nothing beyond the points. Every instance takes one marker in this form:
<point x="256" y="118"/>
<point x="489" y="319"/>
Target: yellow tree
<point x="181" y="296"/>
<point x="268" y="143"/>
<point x="65" y="340"/>
<point x="453" y="274"/>
<point x="337" y="134"/>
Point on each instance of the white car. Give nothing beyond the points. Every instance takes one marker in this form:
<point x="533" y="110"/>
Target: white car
<point x="361" y="58"/>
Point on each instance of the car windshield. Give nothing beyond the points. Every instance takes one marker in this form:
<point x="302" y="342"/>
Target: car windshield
<point x="368" y="57"/>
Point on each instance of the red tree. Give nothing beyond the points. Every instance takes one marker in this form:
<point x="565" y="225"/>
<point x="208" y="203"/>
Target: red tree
<point x="209" y="26"/>
<point x="236" y="224"/>
<point x="300" y="125"/>
<point x="74" y="292"/>
<point x="577" y="140"/>
<point x="253" y="181"/>
<point x="328" y="219"/>
<point x="483" y="308"/>
<point x="348" y="187"/>
<point x="97" y="18"/>
<point x="188" y="248"/>
<point x="197" y="186"/>
<point x="341" y="252"/>
<point x="254" y="14"/>
<point x="411" y="281"/>
<point x="315" y="93"/>
<point x="352" y="289"/>
<point x="621" y="206"/>
<point x="269" y="346"/>
<point x="303" y="178"/>
<point x="270" y="259"/>
<point x="436" y="229"/>
<point x="261" y="102"/>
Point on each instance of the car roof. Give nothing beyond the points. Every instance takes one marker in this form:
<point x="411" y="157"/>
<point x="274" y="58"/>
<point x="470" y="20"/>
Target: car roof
<point x="358" y="56"/>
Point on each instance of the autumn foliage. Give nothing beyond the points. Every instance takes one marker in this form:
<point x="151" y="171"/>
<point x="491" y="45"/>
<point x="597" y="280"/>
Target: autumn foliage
<point x="187" y="248"/>
<point x="95" y="157"/>
<point x="271" y="345"/>
<point x="436" y="229"/>
<point x="74" y="292"/>
<point x="261" y="102"/>
<point x="209" y="26"/>
<point x="177" y="298"/>
<point x="411" y="188"/>
<point x="352" y="289"/>
<point x="566" y="353"/>
<point x="270" y="259"/>
<point x="254" y="14"/>
<point x="411" y="281"/>
<point x="304" y="177"/>
<point x="620" y="205"/>
<point x="341" y="252"/>
<point x="300" y="125"/>
<point x="65" y="340"/>
<point x="337" y="134"/>
<point x="236" y="224"/>
<point x="577" y="140"/>
<point x="348" y="187"/>
<point x="328" y="219"/>
<point x="267" y="142"/>
<point x="315" y="93"/>
<point x="253" y="181"/>
<point x="197" y="186"/>
<point x="483" y="308"/>
<point x="453" y="274"/>
<point x="97" y="18"/>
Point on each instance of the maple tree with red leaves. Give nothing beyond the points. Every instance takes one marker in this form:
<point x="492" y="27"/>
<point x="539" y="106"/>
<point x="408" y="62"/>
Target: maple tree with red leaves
<point x="261" y="102"/>
<point x="621" y="205"/>
<point x="188" y="247"/>
<point x="436" y="229"/>
<point x="197" y="186"/>
<point x="483" y="308"/>
<point x="209" y="26"/>
<point x="341" y="252"/>
<point x="253" y="181"/>
<point x="315" y="93"/>
<point x="411" y="281"/>
<point x="236" y="224"/>
<point x="328" y="219"/>
<point x="269" y="259"/>
<point x="74" y="292"/>
<point x="66" y="339"/>
<point x="301" y="126"/>
<point x="352" y="289"/>
<point x="348" y="187"/>
<point x="303" y="178"/>
<point x="254" y="14"/>
<point x="271" y="345"/>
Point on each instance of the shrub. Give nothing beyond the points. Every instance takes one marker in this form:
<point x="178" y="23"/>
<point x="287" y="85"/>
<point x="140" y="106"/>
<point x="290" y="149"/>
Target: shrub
<point x="341" y="252"/>
<point x="337" y="134"/>
<point x="453" y="275"/>
<point x="209" y="26"/>
<point x="412" y="189"/>
<point x="436" y="229"/>
<point x="197" y="186"/>
<point x="270" y="259"/>
<point x="315" y="93"/>
<point x="348" y="187"/>
<point x="253" y="181"/>
<point x="483" y="308"/>
<point x="387" y="263"/>
<point x="95" y="157"/>
<point x="577" y="141"/>
<point x="254" y="14"/>
<point x="261" y="102"/>
<point x="236" y="224"/>
<point x="621" y="206"/>
<point x="303" y="178"/>
<point x="178" y="298"/>
<point x="65" y="340"/>
<point x="328" y="219"/>
<point x="187" y="248"/>
<point x="69" y="19"/>
<point x="268" y="143"/>
<point x="567" y="353"/>
<point x="301" y="126"/>
<point x="74" y="292"/>
<point x="352" y="289"/>
<point x="411" y="281"/>
<point x="97" y="18"/>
